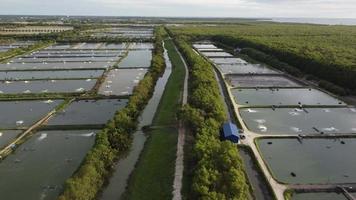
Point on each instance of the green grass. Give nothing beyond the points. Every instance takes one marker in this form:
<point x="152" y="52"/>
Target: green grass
<point x="171" y="99"/>
<point x="154" y="173"/>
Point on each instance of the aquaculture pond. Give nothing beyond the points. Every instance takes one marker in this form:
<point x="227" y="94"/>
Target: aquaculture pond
<point x="16" y="114"/>
<point x="59" y="46"/>
<point x="41" y="165"/>
<point x="300" y="121"/>
<point x="75" y="53"/>
<point x="216" y="54"/>
<point x="88" y="112"/>
<point x="137" y="59"/>
<point x="319" y="196"/>
<point x="66" y="59"/>
<point x="114" y="46"/>
<point x="141" y="46"/>
<point x="310" y="161"/>
<point x="6" y="136"/>
<point x="261" y="81"/>
<point x="54" y="74"/>
<point x="228" y="61"/>
<point x="211" y="50"/>
<point x="122" y="81"/>
<point x="246" y="68"/>
<point x="204" y="46"/>
<point x="46" y="86"/>
<point x="283" y="96"/>
<point x="56" y="65"/>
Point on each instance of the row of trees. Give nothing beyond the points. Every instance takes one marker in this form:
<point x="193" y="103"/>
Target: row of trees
<point x="218" y="170"/>
<point x="330" y="71"/>
<point x="115" y="138"/>
<point x="326" y="52"/>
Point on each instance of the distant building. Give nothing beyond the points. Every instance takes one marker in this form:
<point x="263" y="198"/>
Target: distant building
<point x="230" y="132"/>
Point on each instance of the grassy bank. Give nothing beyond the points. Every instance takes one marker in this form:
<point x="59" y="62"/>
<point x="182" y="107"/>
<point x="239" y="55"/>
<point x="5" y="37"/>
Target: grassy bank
<point x="154" y="173"/>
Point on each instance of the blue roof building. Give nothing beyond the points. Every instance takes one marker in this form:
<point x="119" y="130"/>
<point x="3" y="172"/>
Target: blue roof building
<point x="230" y="132"/>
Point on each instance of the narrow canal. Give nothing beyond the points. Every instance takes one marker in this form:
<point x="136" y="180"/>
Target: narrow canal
<point x="117" y="183"/>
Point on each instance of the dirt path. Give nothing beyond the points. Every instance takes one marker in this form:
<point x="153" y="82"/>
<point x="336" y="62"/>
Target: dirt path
<point x="179" y="168"/>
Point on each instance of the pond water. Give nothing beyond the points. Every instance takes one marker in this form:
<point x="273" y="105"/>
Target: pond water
<point x="59" y="46"/>
<point x="319" y="196"/>
<point x="40" y="166"/>
<point x="302" y="96"/>
<point x="16" y="114"/>
<point x="56" y="74"/>
<point x="122" y="81"/>
<point x="260" y="81"/>
<point x="211" y="50"/>
<point x="230" y="61"/>
<point x="88" y="112"/>
<point x="137" y="58"/>
<point x="216" y="54"/>
<point x="204" y="46"/>
<point x="6" y="136"/>
<point x="310" y="161"/>
<point x="76" y="52"/>
<point x="65" y="59"/>
<point x="118" y="181"/>
<point x="261" y="190"/>
<point x="141" y="46"/>
<point x="300" y="121"/>
<point x="55" y="65"/>
<point x="114" y="46"/>
<point x="46" y="86"/>
<point x="246" y="68"/>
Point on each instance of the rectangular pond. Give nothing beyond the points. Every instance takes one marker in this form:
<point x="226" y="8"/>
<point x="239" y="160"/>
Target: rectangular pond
<point x="55" y="65"/>
<point x="283" y="96"/>
<point x="260" y="81"/>
<point x="216" y="54"/>
<point x="300" y="121"/>
<point x="7" y="136"/>
<point x="137" y="59"/>
<point x="114" y="46"/>
<point x="211" y="50"/>
<point x="228" y="61"/>
<point x="95" y="52"/>
<point x="40" y="166"/>
<point x="319" y="196"/>
<point x="46" y="86"/>
<point x="59" y="46"/>
<point x="122" y="81"/>
<point x="65" y="59"/>
<point x="141" y="46"/>
<point x="310" y="161"/>
<point x="88" y="112"/>
<point x="55" y="74"/>
<point x="17" y="114"/>
<point x="204" y="46"/>
<point x="246" y="68"/>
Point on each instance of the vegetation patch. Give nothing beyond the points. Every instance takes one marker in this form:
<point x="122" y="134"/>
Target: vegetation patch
<point x="218" y="171"/>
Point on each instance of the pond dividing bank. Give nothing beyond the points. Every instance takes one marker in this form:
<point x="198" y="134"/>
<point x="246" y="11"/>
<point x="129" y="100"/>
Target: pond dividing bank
<point x="301" y="136"/>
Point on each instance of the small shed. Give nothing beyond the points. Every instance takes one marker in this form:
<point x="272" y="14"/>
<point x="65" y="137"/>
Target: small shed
<point x="230" y="132"/>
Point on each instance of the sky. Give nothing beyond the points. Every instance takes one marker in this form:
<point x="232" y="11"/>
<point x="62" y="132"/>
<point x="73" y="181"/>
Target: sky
<point x="184" y="8"/>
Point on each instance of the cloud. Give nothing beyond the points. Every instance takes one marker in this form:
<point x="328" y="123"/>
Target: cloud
<point x="194" y="8"/>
